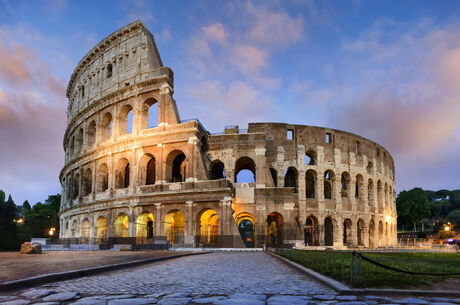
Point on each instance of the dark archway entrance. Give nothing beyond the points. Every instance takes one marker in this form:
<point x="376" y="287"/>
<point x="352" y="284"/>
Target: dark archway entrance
<point x="274" y="229"/>
<point x="311" y="232"/>
<point x="328" y="232"/>
<point x="246" y="227"/>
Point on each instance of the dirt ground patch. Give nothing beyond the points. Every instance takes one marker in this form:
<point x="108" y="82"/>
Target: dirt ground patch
<point x="14" y="266"/>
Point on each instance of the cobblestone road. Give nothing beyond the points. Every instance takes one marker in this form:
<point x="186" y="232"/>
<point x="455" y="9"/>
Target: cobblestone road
<point x="218" y="278"/>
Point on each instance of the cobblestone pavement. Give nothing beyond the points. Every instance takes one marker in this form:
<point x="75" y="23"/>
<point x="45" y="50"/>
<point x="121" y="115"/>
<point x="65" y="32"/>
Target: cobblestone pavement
<point x="216" y="278"/>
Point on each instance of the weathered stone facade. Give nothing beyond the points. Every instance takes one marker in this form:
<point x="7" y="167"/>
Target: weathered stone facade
<point x="161" y="178"/>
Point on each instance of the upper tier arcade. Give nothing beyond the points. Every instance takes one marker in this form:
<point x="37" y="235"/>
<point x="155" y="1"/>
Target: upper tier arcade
<point x="125" y="57"/>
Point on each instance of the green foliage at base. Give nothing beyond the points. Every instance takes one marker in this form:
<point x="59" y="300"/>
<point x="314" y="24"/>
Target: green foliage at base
<point x="377" y="277"/>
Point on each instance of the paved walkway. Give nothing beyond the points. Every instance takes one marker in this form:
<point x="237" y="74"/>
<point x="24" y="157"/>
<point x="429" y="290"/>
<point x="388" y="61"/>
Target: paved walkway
<point x="15" y="266"/>
<point x="217" y="278"/>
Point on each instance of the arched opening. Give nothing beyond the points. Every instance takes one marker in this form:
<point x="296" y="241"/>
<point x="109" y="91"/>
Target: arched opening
<point x="217" y="170"/>
<point x="174" y="227"/>
<point x="310" y="184"/>
<point x="328" y="179"/>
<point x="103" y="178"/>
<point x="208" y="228"/>
<point x="80" y="140"/>
<point x="87" y="182"/>
<point x="371" y="233"/>
<point x="176" y="166"/>
<point x="91" y="133"/>
<point x="73" y="230"/>
<point x="347" y="239"/>
<point x="345" y="184"/>
<point x="122" y="173"/>
<point x="380" y="233"/>
<point x="144" y="227"/>
<point x="310" y="157"/>
<point x="101" y="229"/>
<point x="328" y="232"/>
<point x="76" y="186"/>
<point x="386" y="234"/>
<point x="106" y="126"/>
<point x="109" y="71"/>
<point x="246" y="226"/>
<point x="311" y="234"/>
<point x="274" y="175"/>
<point x="274" y="229"/>
<point x="360" y="232"/>
<point x="290" y="178"/>
<point x="126" y="120"/>
<point x="85" y="227"/>
<point x="72" y="146"/>
<point x="149" y="114"/>
<point x="245" y="170"/>
<point x="370" y="192"/>
<point x="359" y="187"/>
<point x="379" y="194"/>
<point x="150" y="172"/>
<point x="121" y="226"/>
<point x="385" y="197"/>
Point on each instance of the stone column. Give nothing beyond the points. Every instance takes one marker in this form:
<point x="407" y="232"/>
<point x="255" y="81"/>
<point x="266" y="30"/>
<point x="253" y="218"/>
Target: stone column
<point x="188" y="233"/>
<point x="159" y="226"/>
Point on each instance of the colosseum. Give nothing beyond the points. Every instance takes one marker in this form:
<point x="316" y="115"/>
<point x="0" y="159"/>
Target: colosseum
<point x="135" y="173"/>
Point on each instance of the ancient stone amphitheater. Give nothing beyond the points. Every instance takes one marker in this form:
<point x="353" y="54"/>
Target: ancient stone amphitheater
<point x="136" y="173"/>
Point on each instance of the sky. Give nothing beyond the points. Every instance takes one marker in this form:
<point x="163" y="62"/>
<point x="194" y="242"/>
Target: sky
<point x="386" y="70"/>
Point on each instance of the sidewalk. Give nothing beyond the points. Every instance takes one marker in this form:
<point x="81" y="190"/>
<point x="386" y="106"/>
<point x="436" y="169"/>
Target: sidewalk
<point x="15" y="266"/>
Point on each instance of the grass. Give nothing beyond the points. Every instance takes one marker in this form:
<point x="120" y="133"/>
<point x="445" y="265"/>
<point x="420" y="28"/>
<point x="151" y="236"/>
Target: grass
<point x="376" y="277"/>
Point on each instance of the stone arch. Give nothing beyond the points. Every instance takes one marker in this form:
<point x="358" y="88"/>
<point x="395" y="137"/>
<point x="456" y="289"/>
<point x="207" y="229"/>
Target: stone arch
<point x="359" y="187"/>
<point x="106" y="126"/>
<point x="149" y="117"/>
<point x="310" y="157"/>
<point x="121" y="226"/>
<point x="311" y="232"/>
<point x="91" y="133"/>
<point x="360" y="232"/>
<point x="345" y="180"/>
<point x="76" y="186"/>
<point x="122" y="175"/>
<point x="245" y="163"/>
<point x="291" y="178"/>
<point x="379" y="194"/>
<point x="103" y="178"/>
<point x="370" y="192"/>
<point x="101" y="229"/>
<point x="274" y="223"/>
<point x="310" y="183"/>
<point x="176" y="166"/>
<point x="328" y="184"/>
<point x="72" y="147"/>
<point x="247" y="228"/>
<point x="147" y="169"/>
<point x="216" y="170"/>
<point x="208" y="228"/>
<point x="328" y="232"/>
<point x="145" y="227"/>
<point x="85" y="230"/>
<point x="380" y="233"/>
<point x="87" y="182"/>
<point x="370" y="168"/>
<point x="371" y="233"/>
<point x="79" y="142"/>
<point x="347" y="232"/>
<point x="73" y="229"/>
<point x="125" y="119"/>
<point x="174" y="226"/>
<point x="385" y="197"/>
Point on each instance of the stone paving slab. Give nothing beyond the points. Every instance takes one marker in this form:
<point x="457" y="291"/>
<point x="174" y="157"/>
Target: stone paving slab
<point x="216" y="278"/>
<point x="14" y="266"/>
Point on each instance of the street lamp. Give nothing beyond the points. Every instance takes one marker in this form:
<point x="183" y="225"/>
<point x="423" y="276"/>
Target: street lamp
<point x="51" y="232"/>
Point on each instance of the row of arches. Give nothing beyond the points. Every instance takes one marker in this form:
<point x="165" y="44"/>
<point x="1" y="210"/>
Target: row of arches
<point x="88" y="136"/>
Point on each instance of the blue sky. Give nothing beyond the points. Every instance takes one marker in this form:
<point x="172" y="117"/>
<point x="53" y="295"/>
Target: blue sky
<point x="387" y="70"/>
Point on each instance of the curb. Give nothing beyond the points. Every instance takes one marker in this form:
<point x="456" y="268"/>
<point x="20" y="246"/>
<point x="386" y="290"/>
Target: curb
<point x="343" y="289"/>
<point x="67" y="275"/>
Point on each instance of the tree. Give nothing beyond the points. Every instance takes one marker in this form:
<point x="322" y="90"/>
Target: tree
<point x="8" y="240"/>
<point x="43" y="216"/>
<point x="454" y="217"/>
<point x="412" y="206"/>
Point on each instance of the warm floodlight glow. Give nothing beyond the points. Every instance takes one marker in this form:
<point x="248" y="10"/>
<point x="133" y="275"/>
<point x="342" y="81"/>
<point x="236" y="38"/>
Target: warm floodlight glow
<point x="51" y="231"/>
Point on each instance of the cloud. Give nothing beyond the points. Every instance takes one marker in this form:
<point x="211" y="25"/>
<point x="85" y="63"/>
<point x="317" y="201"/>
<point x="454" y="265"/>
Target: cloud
<point x="413" y="109"/>
<point x="32" y="124"/>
